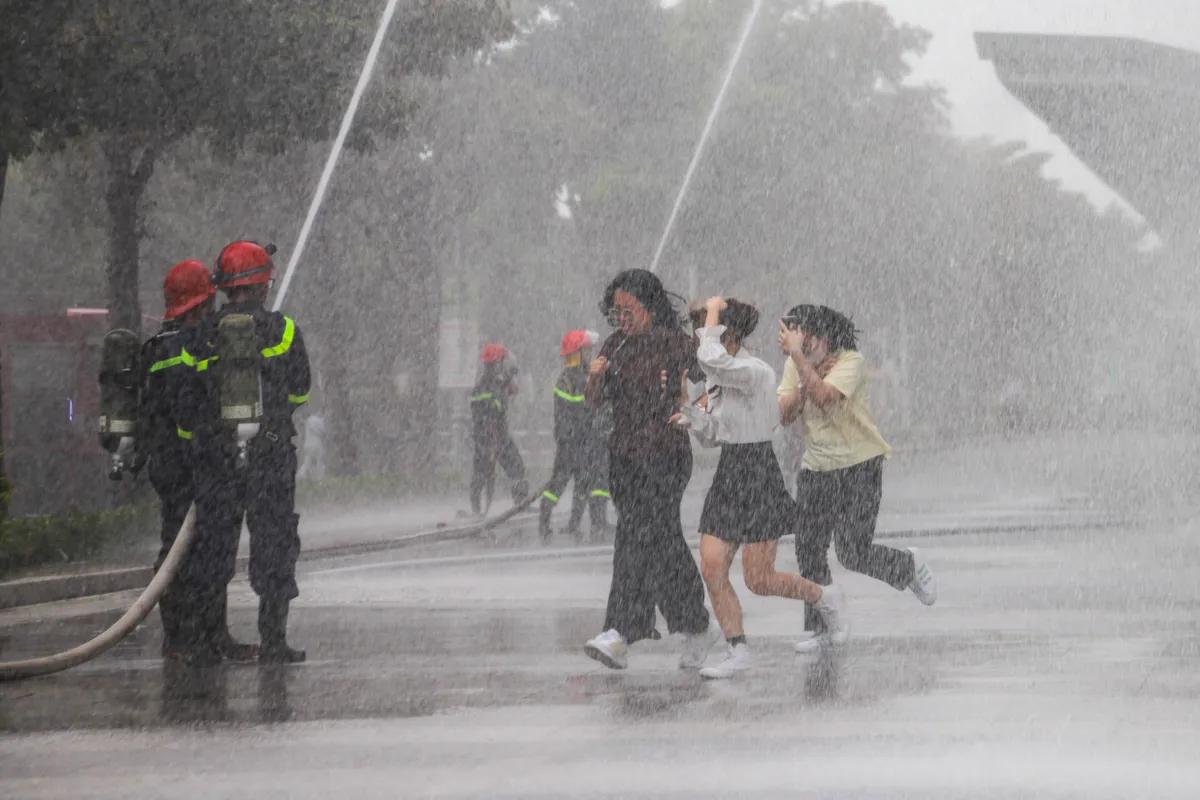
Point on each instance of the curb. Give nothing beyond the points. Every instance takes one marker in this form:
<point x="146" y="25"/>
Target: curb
<point x="53" y="588"/>
<point x="33" y="591"/>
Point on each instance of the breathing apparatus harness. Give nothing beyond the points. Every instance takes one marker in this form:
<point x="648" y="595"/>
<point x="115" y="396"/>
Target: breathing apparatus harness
<point x="236" y="361"/>
<point x="120" y="400"/>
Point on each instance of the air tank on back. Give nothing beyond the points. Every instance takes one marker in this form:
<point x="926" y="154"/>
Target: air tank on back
<point x="120" y="385"/>
<point x="238" y="378"/>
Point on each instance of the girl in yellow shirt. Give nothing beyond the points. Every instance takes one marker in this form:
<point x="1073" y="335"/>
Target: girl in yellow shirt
<point x="840" y="484"/>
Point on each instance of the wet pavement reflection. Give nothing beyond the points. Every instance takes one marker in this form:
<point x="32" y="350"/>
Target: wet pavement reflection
<point x="465" y="665"/>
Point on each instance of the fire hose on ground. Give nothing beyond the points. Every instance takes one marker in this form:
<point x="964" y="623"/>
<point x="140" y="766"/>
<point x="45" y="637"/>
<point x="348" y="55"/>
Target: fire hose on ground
<point x="47" y="665"/>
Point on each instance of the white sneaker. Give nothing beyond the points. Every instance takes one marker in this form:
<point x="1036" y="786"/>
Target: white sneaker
<point x="697" y="645"/>
<point x="819" y="643"/>
<point x="832" y="608"/>
<point x="739" y="659"/>
<point x="923" y="584"/>
<point x="609" y="648"/>
<point x="813" y="644"/>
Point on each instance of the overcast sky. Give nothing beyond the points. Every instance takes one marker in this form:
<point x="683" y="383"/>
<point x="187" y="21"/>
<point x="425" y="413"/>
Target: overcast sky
<point x="982" y="106"/>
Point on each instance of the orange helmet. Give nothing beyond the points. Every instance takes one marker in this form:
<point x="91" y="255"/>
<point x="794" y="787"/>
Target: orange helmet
<point x="244" y="264"/>
<point x="187" y="285"/>
<point x="493" y="352"/>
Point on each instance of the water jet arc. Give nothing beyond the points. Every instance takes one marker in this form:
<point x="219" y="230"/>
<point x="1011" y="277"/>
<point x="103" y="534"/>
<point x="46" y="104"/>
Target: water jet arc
<point x="713" y="113"/>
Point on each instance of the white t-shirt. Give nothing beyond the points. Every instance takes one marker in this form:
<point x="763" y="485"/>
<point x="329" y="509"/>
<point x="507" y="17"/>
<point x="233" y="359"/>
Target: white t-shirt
<point x="742" y="407"/>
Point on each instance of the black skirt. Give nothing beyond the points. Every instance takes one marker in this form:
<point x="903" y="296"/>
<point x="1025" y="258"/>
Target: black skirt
<point x="748" y="501"/>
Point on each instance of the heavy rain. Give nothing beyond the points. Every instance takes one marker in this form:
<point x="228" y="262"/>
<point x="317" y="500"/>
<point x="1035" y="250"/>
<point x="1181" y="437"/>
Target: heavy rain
<point x="599" y="398"/>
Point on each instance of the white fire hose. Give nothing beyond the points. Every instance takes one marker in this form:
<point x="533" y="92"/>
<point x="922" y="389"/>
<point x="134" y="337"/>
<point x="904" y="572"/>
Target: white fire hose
<point x="33" y="667"/>
<point x="46" y="665"/>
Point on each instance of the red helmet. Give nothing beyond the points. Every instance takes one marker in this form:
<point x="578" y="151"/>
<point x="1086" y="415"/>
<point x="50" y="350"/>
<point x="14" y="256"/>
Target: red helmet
<point x="493" y="352"/>
<point x="244" y="264"/>
<point x="573" y="342"/>
<point x="187" y="285"/>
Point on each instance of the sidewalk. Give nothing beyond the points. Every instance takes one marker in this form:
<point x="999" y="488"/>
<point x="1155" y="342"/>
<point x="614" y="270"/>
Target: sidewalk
<point x="989" y="486"/>
<point x="323" y="534"/>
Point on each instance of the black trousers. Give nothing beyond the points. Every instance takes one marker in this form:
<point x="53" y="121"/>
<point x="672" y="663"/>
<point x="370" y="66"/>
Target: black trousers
<point x="652" y="565"/>
<point x="171" y="477"/>
<point x="263" y="493"/>
<point x="843" y="505"/>
<point x="572" y="463"/>
<point x="493" y="444"/>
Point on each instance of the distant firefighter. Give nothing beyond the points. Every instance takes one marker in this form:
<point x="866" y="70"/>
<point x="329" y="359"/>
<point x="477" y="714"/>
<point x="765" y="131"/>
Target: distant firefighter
<point x="579" y="440"/>
<point x="489" y="428"/>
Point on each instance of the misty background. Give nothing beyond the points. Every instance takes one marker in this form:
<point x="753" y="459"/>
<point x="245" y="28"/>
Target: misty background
<point x="511" y="157"/>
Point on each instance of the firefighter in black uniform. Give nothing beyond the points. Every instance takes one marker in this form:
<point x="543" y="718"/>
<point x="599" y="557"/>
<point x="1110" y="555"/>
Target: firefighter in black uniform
<point x="489" y="428"/>
<point x="250" y="373"/>
<point x="577" y="438"/>
<point x="188" y="293"/>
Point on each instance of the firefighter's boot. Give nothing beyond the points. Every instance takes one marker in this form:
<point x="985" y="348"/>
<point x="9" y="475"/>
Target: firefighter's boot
<point x="600" y="531"/>
<point x="272" y="629"/>
<point x="573" y="527"/>
<point x="199" y="628"/>
<point x="231" y="648"/>
<point x="172" y="644"/>
<point x="544" y="529"/>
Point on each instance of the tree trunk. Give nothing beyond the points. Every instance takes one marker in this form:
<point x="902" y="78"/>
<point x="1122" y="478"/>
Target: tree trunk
<point x="425" y="314"/>
<point x="3" y="173"/>
<point x="3" y="471"/>
<point x="129" y="173"/>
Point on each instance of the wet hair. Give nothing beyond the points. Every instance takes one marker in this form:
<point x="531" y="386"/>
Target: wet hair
<point x="649" y="291"/>
<point x="740" y="319"/>
<point x="824" y="322"/>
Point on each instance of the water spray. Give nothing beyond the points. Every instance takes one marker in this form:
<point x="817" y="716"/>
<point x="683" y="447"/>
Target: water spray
<point x="747" y="26"/>
<point x="364" y="79"/>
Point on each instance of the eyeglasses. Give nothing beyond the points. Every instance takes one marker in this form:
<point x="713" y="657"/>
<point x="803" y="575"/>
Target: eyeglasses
<point x="618" y="315"/>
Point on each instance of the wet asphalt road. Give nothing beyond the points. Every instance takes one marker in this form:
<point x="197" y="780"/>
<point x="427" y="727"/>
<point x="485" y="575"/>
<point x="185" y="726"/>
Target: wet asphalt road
<point x="1054" y="665"/>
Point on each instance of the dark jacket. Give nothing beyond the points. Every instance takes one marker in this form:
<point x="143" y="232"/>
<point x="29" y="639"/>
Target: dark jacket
<point x="573" y="419"/>
<point x="286" y="378"/>
<point x="489" y="398"/>
<point x="164" y="372"/>
<point x="641" y="405"/>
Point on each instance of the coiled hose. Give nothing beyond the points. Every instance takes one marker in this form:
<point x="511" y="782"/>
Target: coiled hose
<point x="47" y="665"/>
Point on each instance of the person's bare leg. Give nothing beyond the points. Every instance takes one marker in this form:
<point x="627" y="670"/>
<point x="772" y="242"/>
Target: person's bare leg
<point x="758" y="567"/>
<point x="716" y="556"/>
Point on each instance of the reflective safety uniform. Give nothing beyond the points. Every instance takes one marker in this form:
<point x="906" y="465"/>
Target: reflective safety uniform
<point x="263" y="492"/>
<point x="578" y="456"/>
<point x="168" y="457"/>
<point x="490" y="436"/>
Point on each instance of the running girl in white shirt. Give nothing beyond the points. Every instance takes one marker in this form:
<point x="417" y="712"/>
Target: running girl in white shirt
<point x="748" y="505"/>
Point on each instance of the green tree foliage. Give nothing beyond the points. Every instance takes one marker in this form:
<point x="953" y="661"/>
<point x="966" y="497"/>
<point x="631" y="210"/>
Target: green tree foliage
<point x="145" y="75"/>
<point x="830" y="177"/>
